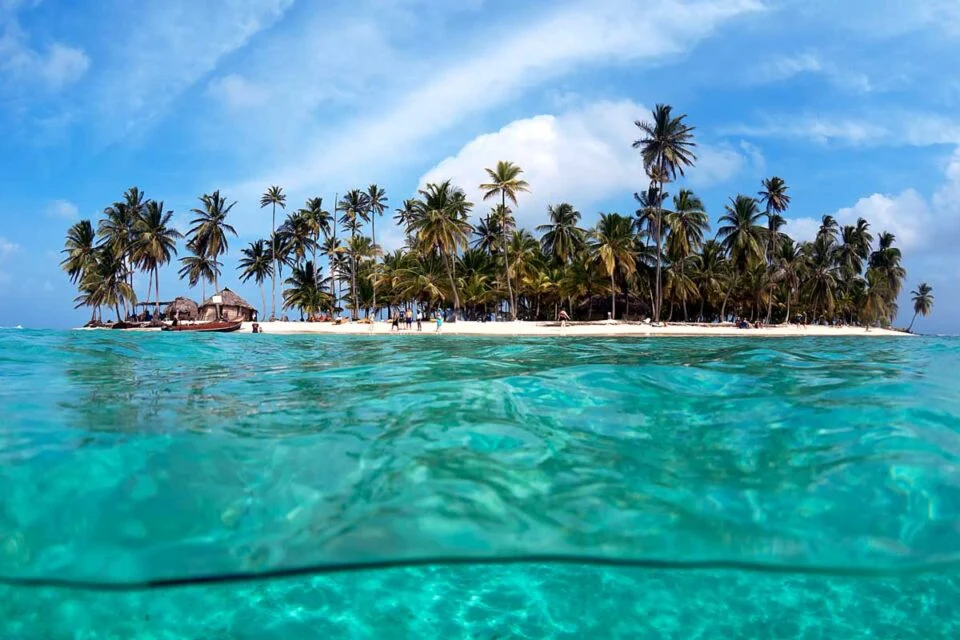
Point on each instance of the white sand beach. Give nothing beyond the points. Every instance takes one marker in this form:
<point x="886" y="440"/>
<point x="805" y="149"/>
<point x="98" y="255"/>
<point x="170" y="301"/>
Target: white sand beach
<point x="600" y="328"/>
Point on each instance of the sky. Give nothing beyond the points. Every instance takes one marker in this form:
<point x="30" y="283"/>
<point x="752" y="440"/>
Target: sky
<point x="853" y="103"/>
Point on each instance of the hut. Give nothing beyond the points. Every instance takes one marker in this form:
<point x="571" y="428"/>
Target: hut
<point x="183" y="309"/>
<point x="231" y="307"/>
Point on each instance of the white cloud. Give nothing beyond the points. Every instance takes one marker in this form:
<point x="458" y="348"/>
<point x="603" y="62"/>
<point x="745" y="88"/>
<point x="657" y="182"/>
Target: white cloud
<point x="63" y="209"/>
<point x="582" y="156"/>
<point x="592" y="31"/>
<point x="8" y="247"/>
<point x="56" y="67"/>
<point x="921" y="225"/>
<point x="236" y="92"/>
<point x="874" y="129"/>
<point x="178" y="43"/>
<point x="781" y="68"/>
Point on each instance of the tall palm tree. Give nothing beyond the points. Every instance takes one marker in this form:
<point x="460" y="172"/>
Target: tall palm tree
<point x="376" y="205"/>
<point x="318" y="220"/>
<point x="505" y="182"/>
<point x="404" y="215"/>
<point x="614" y="245"/>
<point x="210" y="229"/>
<point x="775" y="200"/>
<point x="156" y="243"/>
<point x="106" y="284"/>
<point x="789" y="263"/>
<point x="687" y="223"/>
<point x="741" y="237"/>
<point x="667" y="149"/>
<point x="829" y="230"/>
<point x="922" y="298"/>
<point x="439" y="225"/>
<point x="354" y="206"/>
<point x="562" y="238"/>
<point x="257" y="263"/>
<point x="273" y="196"/>
<point x="296" y="234"/>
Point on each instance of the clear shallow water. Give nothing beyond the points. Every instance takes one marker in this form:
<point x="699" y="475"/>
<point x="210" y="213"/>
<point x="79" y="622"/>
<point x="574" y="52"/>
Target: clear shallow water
<point x="131" y="458"/>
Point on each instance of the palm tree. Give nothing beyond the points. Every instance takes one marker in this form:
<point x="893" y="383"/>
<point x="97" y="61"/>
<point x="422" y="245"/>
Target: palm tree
<point x="318" y="220"/>
<point x="308" y="290"/>
<point x="789" y="263"/>
<point x="829" y="230"/>
<point x="687" y="223"/>
<point x="505" y="182"/>
<point x="667" y="149"/>
<point x="562" y="238"/>
<point x="404" y="215"/>
<point x="257" y="263"/>
<point x="334" y="250"/>
<point x="273" y="196"/>
<point x="354" y="206"/>
<point x="199" y="267"/>
<point x="210" y="229"/>
<point x="376" y="205"/>
<point x="741" y="237"/>
<point x="922" y="302"/>
<point x="106" y="283"/>
<point x="156" y="243"/>
<point x="774" y="198"/>
<point x="614" y="245"/>
<point x="439" y="225"/>
<point x="296" y="235"/>
<point x="81" y="250"/>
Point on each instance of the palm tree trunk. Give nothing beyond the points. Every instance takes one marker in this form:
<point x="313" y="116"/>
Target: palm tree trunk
<point x="703" y="303"/>
<point x="659" y="236"/>
<point x="263" y="298"/>
<point x="156" y="291"/>
<point x="787" y="319"/>
<point x="613" y="297"/>
<point x="723" y="308"/>
<point x="914" y="319"/>
<point x="683" y="280"/>
<point x="453" y="284"/>
<point x="506" y="253"/>
<point x="276" y="266"/>
<point x="373" y="239"/>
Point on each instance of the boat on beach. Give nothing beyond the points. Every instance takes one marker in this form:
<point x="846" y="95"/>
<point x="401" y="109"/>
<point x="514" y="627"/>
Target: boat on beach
<point x="209" y="327"/>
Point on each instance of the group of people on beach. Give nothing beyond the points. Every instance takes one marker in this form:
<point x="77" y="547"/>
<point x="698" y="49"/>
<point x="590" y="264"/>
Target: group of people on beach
<point x="410" y="317"/>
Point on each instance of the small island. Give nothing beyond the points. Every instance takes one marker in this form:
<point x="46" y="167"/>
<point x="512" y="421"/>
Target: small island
<point x="660" y="270"/>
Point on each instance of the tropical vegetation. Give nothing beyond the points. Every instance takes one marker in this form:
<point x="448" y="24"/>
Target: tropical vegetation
<point x="662" y="261"/>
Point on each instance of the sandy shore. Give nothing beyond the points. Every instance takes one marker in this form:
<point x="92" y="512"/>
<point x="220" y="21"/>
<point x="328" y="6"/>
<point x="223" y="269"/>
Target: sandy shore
<point x="574" y="329"/>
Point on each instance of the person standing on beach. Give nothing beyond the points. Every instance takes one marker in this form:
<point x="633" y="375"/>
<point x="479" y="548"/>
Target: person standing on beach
<point x="439" y="322"/>
<point x="409" y="319"/>
<point x="419" y="321"/>
<point x="563" y="318"/>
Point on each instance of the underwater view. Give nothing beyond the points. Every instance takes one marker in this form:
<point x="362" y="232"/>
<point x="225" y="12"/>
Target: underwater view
<point x="232" y="487"/>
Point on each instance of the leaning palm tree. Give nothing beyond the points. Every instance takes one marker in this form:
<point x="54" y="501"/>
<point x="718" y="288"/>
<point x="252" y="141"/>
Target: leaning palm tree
<point x="505" y="182"/>
<point x="376" y="204"/>
<point x="922" y="302"/>
<point x="614" y="245"/>
<point x="273" y="196"/>
<point x="257" y="263"/>
<point x="354" y="206"/>
<point x="439" y="226"/>
<point x="210" y="229"/>
<point x="667" y="149"/>
<point x="156" y="243"/>
<point x="105" y="284"/>
<point x="80" y="249"/>
<point x="562" y="238"/>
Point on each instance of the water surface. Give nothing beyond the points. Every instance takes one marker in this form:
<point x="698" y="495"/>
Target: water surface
<point x="128" y="459"/>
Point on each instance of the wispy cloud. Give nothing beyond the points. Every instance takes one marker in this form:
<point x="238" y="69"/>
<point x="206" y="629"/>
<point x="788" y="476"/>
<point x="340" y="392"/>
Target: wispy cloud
<point x="8" y="247"/>
<point x="487" y="75"/>
<point x="785" y="67"/>
<point x="888" y="128"/>
<point x="54" y="67"/>
<point x="62" y="209"/>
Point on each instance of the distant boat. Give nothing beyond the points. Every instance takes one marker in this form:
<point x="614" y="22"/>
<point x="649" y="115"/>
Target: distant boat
<point x="209" y="327"/>
<point x="126" y="325"/>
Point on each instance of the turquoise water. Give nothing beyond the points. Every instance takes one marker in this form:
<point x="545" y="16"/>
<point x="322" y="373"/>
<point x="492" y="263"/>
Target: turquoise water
<point x="736" y="488"/>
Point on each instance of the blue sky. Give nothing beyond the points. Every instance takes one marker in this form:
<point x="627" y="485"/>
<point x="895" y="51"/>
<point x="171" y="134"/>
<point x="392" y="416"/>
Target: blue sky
<point x="854" y="103"/>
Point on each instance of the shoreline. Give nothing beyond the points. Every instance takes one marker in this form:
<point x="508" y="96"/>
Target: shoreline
<point x="580" y="329"/>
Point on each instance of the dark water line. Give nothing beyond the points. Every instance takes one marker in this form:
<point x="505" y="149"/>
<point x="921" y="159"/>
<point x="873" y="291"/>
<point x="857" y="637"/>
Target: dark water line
<point x="950" y="563"/>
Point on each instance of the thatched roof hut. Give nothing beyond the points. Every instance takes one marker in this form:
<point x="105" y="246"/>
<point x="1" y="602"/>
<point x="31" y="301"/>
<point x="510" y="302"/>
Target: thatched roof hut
<point x="230" y="305"/>
<point x="182" y="308"/>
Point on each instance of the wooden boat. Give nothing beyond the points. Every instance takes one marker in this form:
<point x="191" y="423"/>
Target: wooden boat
<point x="209" y="327"/>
